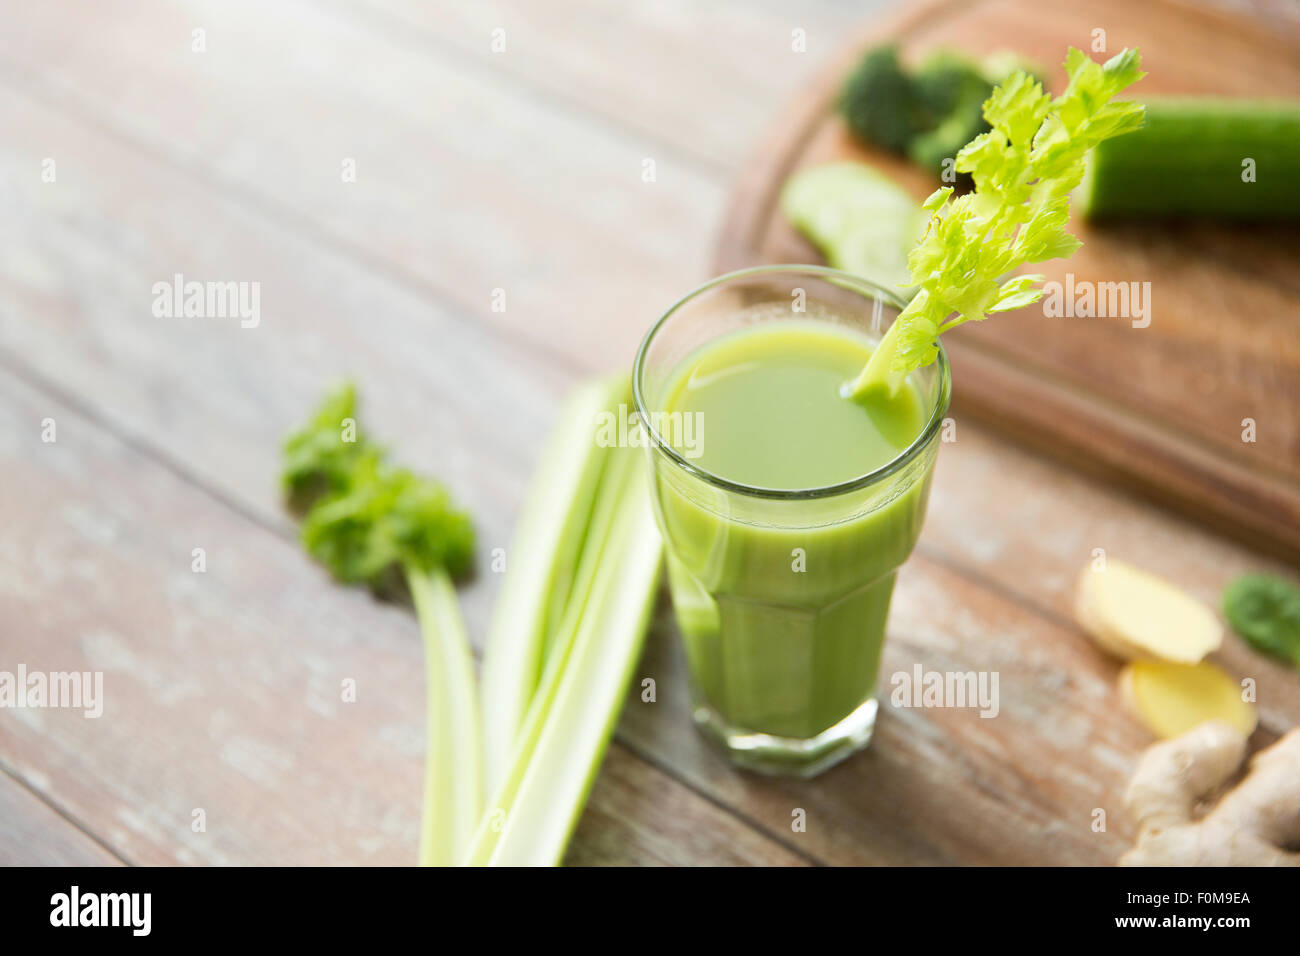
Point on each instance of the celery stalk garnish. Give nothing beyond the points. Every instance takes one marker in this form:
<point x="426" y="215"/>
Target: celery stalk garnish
<point x="1024" y="169"/>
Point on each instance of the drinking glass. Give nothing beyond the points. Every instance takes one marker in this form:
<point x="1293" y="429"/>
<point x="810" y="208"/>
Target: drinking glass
<point x="783" y="659"/>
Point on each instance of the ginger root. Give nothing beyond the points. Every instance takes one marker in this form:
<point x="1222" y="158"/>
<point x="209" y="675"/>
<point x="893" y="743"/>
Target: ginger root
<point x="1256" y="823"/>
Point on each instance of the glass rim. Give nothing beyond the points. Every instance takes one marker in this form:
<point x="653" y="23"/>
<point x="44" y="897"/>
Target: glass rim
<point x="793" y="494"/>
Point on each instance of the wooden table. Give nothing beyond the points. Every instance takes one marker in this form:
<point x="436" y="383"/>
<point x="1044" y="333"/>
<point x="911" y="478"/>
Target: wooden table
<point x="475" y="171"/>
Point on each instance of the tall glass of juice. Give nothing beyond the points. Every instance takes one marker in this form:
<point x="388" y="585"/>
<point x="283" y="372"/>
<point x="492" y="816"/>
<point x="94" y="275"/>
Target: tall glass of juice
<point x="786" y="507"/>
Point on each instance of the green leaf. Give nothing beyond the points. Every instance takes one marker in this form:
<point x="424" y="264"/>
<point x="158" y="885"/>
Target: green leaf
<point x="936" y="200"/>
<point x="1265" y="611"/>
<point x="1017" y="107"/>
<point x="1017" y="293"/>
<point x="1044" y="237"/>
<point x="387" y="518"/>
<point x="319" y="457"/>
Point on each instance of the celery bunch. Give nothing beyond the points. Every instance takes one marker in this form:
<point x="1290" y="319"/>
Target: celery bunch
<point x="552" y="693"/>
<point x="1023" y="168"/>
<point x="583" y="571"/>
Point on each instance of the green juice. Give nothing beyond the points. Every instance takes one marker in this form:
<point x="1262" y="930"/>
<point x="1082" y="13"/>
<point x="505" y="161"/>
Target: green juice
<point x="770" y="401"/>
<point x="781" y="592"/>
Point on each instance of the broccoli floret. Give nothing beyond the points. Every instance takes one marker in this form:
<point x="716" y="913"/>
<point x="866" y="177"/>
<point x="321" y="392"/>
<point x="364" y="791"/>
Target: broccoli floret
<point x="953" y="90"/>
<point x="946" y="79"/>
<point x="879" y="101"/>
<point x="931" y="113"/>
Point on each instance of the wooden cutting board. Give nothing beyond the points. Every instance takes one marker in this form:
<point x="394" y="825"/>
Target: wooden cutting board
<point x="1161" y="409"/>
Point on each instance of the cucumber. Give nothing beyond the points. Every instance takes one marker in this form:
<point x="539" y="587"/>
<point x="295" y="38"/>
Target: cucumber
<point x="1187" y="161"/>
<point x="861" y="220"/>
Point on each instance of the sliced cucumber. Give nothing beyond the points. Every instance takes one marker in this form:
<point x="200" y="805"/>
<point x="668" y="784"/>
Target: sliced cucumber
<point x="860" y="219"/>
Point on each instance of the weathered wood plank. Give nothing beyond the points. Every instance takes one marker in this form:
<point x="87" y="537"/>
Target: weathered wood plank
<point x="639" y="818"/>
<point x="464" y="184"/>
<point x="32" y="833"/>
<point x="223" y="690"/>
<point x="701" y="79"/>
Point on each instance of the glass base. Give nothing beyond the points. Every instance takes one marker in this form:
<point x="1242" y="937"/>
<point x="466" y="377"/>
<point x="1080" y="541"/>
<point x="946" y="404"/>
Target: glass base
<point x="790" y="756"/>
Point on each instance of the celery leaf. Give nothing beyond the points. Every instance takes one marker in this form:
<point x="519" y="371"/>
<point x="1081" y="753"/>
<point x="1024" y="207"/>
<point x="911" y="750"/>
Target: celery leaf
<point x="1023" y="168"/>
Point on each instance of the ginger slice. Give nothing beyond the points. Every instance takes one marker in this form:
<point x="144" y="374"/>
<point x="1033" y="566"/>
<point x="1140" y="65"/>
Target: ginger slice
<point x="1173" y="698"/>
<point x="1137" y="615"/>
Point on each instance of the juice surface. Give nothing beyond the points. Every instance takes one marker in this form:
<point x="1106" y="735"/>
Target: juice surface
<point x="772" y="415"/>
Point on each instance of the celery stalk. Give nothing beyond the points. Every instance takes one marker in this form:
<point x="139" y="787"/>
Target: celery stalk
<point x="563" y="767"/>
<point x="530" y="817"/>
<point x="880" y="372"/>
<point x="453" y="789"/>
<point x="605" y="510"/>
<point x="542" y="563"/>
<point x="372" y="523"/>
